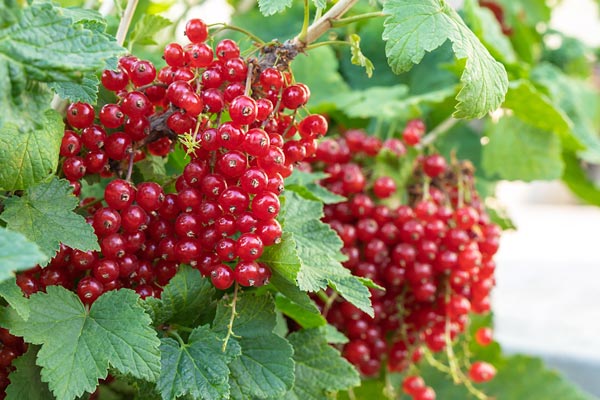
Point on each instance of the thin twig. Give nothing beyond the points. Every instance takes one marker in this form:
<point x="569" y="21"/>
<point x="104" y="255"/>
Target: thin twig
<point x="126" y="21"/>
<point x="130" y="166"/>
<point x="232" y="318"/>
<point x="324" y="23"/>
<point x="442" y="128"/>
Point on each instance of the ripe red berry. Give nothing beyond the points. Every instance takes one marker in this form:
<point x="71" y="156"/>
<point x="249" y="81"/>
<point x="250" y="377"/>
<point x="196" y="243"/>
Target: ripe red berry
<point x="222" y="277"/>
<point x="89" y="289"/>
<point x="484" y="336"/>
<point x="196" y="30"/>
<point x="80" y="115"/>
<point x="481" y="372"/>
<point x="434" y="165"/>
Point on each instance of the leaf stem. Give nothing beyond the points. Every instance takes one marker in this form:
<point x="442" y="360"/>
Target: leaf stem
<point x="249" y="79"/>
<point x="232" y="318"/>
<point x="130" y="166"/>
<point x="356" y="18"/>
<point x="323" y="24"/>
<point x="306" y="21"/>
<point x="224" y="26"/>
<point x="176" y="336"/>
<point x="126" y="21"/>
<point x="442" y="128"/>
<point x="328" y="43"/>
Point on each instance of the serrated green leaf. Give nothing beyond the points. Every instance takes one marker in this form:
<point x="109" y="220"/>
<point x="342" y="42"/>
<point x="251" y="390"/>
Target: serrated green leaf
<point x="78" y="346"/>
<point x="13" y="295"/>
<point x="29" y="154"/>
<point x="415" y="27"/>
<point x="153" y="168"/>
<point x="187" y="299"/>
<point x="146" y="28"/>
<point x="332" y="335"/>
<point x="306" y="185"/>
<point x="518" y="151"/>
<point x="17" y="253"/>
<point x="197" y="368"/>
<point x="319" y="367"/>
<point x="318" y="250"/>
<point x="46" y="46"/>
<point x="283" y="257"/>
<point x="90" y="19"/>
<point x="86" y="91"/>
<point x="295" y="303"/>
<point x="25" y="380"/>
<point x="265" y="368"/>
<point x="487" y="28"/>
<point x="358" y="58"/>
<point x="535" y="108"/>
<point x="44" y="214"/>
<point x="577" y="100"/>
<point x="372" y="102"/>
<point x="270" y="7"/>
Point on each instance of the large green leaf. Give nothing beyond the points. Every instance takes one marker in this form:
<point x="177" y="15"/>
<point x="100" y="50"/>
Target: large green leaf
<point x="518" y="151"/>
<point x="44" y="214"/>
<point x="415" y="27"/>
<point x="197" y="368"/>
<point x="186" y="299"/>
<point x="319" y="367"/>
<point x="29" y="152"/>
<point x="318" y="262"/>
<point x="576" y="178"/>
<point x="26" y="381"/>
<point x="265" y="367"/>
<point x="146" y="28"/>
<point x="13" y="295"/>
<point x="79" y="345"/>
<point x="270" y="7"/>
<point x="17" y="253"/>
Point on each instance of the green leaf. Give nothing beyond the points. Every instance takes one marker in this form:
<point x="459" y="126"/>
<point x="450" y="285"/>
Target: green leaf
<point x="29" y="154"/>
<point x="487" y="28"/>
<point x="518" y="151"/>
<point x="187" y="298"/>
<point x="372" y="102"/>
<point x="332" y="335"/>
<point x="197" y="368"/>
<point x="46" y="46"/>
<point x="577" y="100"/>
<point x="25" y="381"/>
<point x="358" y="58"/>
<point x="306" y="185"/>
<point x="13" y="295"/>
<point x="295" y="303"/>
<point x="283" y="257"/>
<point x="320" y="3"/>
<point x="415" y="27"/>
<point x="319" y="367"/>
<point x="326" y="82"/>
<point x="145" y="30"/>
<point x="317" y="247"/>
<point x="44" y="214"/>
<point x="270" y="7"/>
<point x="578" y="181"/>
<point x="78" y="346"/>
<point x="535" y="108"/>
<point x="153" y="168"/>
<point x="17" y="253"/>
<point x="265" y="368"/>
<point x="86" y="91"/>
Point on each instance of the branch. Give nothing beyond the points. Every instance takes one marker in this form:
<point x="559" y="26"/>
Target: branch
<point x="126" y="21"/>
<point x="323" y="24"/>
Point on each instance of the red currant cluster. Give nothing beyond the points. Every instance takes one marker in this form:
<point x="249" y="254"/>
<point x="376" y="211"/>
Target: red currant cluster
<point x="11" y="347"/>
<point x="433" y="256"/>
<point x="239" y="121"/>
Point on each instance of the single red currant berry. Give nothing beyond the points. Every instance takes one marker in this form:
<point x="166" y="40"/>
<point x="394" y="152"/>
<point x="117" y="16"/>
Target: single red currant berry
<point x="313" y="126"/>
<point x="199" y="55"/>
<point x="142" y="73"/>
<point x="114" y="80"/>
<point x="294" y="96"/>
<point x="149" y="196"/>
<point x="111" y="116"/>
<point x="227" y="49"/>
<point x="269" y="232"/>
<point x="356" y="352"/>
<point x="89" y="289"/>
<point x="256" y="142"/>
<point x="113" y="246"/>
<point x="247" y="273"/>
<point x="232" y="164"/>
<point x="160" y="147"/>
<point x="254" y="180"/>
<point x="225" y="249"/>
<point x="481" y="372"/>
<point x="234" y="200"/>
<point x="119" y="194"/>
<point x="71" y="144"/>
<point x="243" y="110"/>
<point x="384" y="187"/>
<point x="265" y="205"/>
<point x="174" y="55"/>
<point x="106" y="270"/>
<point x="80" y="115"/>
<point x="271" y="78"/>
<point x="426" y="394"/>
<point x="484" y="336"/>
<point x="434" y="165"/>
<point x="196" y="30"/>
<point x="222" y="277"/>
<point x="136" y="104"/>
<point x="118" y="146"/>
<point x="249" y="247"/>
<point x="106" y="221"/>
<point x="74" y="168"/>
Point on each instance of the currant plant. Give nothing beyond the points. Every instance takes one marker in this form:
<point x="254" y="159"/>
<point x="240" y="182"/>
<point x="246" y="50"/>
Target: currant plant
<point x="239" y="214"/>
